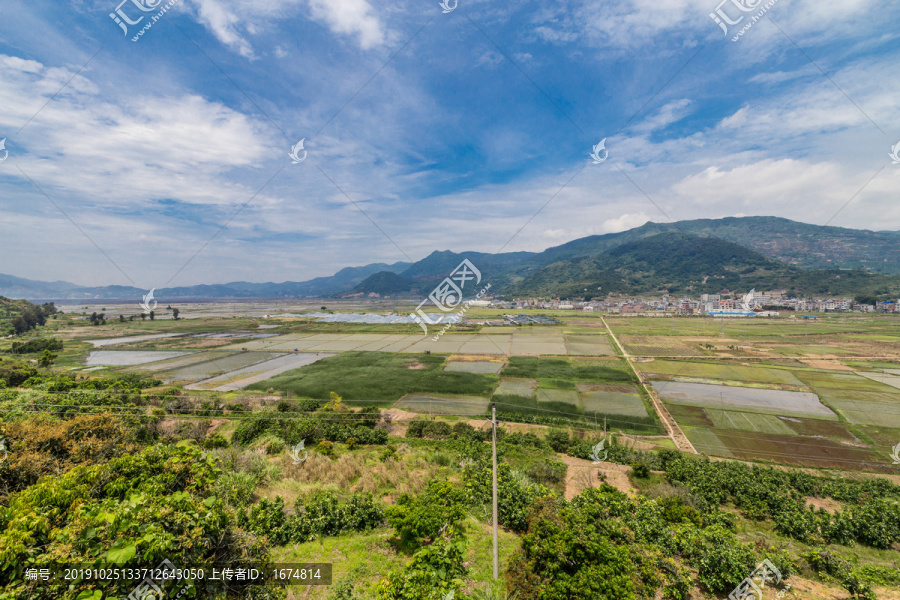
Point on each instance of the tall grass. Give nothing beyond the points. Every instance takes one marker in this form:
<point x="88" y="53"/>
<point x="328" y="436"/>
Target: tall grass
<point x="563" y="369"/>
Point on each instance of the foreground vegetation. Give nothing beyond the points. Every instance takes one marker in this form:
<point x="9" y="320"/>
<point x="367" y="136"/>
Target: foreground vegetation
<point x="121" y="472"/>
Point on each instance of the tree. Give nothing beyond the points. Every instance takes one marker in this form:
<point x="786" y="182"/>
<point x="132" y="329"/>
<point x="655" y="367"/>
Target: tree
<point x="143" y="316"/>
<point x="19" y="325"/>
<point x="865" y="299"/>
<point x="121" y="318"/>
<point x="47" y="358"/>
<point x="152" y="315"/>
<point x="175" y="312"/>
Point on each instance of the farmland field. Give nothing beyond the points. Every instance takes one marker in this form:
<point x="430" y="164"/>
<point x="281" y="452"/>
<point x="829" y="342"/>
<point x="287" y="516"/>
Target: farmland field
<point x="215" y="365"/>
<point x="858" y="399"/>
<point x="443" y="404"/>
<point x="241" y="378"/>
<point x="517" y="387"/>
<point x="706" y="441"/>
<point x="378" y="377"/>
<point x="760" y="400"/>
<point x="600" y="399"/>
<point x="720" y="370"/>
<point x="474" y="366"/>
<point x="123" y="358"/>
<point x="730" y="419"/>
<point x="642" y="345"/>
<point x="561" y="396"/>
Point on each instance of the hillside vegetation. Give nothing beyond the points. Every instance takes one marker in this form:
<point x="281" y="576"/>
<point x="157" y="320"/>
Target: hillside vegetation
<point x="20" y="316"/>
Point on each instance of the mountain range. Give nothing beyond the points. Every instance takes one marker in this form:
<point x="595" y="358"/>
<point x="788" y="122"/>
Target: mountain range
<point x="699" y="256"/>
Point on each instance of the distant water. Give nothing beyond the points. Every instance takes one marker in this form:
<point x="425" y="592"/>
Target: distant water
<point x="369" y="317"/>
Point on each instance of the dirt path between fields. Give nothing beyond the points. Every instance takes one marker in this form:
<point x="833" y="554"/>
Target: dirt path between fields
<point x="681" y="441"/>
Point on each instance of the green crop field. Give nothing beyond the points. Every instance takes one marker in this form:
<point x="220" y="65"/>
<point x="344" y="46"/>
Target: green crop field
<point x="569" y="397"/>
<point x="859" y="399"/>
<point x="720" y="370"/>
<point x="730" y="419"/>
<point x="443" y="404"/>
<point x="706" y="441"/>
<point x="378" y="377"/>
<point x="561" y="368"/>
<point x="517" y="387"/>
<point x="474" y="366"/>
<point x="603" y="402"/>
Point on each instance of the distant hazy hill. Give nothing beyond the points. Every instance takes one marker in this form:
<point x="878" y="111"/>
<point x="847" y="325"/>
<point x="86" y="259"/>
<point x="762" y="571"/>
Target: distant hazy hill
<point x="345" y="279"/>
<point x="735" y="252"/>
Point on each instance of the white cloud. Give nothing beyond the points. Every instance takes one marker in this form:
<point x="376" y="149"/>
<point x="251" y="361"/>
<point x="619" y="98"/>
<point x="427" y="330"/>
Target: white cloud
<point x="221" y="18"/>
<point x="233" y="21"/>
<point x="129" y="151"/>
<point x="625" y="222"/>
<point x="350" y="17"/>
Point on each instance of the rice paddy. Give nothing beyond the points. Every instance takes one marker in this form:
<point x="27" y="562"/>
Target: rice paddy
<point x="127" y="358"/>
<point x="721" y="370"/>
<point x="755" y="399"/>
<point x="450" y="343"/>
<point x="820" y="393"/>
<point x="216" y="365"/>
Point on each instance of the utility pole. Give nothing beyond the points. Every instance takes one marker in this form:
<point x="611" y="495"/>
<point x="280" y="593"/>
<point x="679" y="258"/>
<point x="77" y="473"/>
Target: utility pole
<point x="494" y="457"/>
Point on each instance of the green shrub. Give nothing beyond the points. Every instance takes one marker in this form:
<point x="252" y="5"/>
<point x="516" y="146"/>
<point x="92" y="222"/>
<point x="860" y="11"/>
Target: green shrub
<point x="640" y="470"/>
<point x="547" y="472"/>
<point x="388" y="452"/>
<point x="325" y="447"/>
<point x="435" y="573"/>
<point x="559" y="440"/>
<point x="441" y="459"/>
<point x="216" y="440"/>
<point x="36" y="345"/>
<point x="416" y="428"/>
<point x="437" y="430"/>
<point x="437" y="511"/>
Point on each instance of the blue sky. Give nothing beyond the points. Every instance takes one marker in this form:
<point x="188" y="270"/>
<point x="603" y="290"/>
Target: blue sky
<point x="165" y="161"/>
